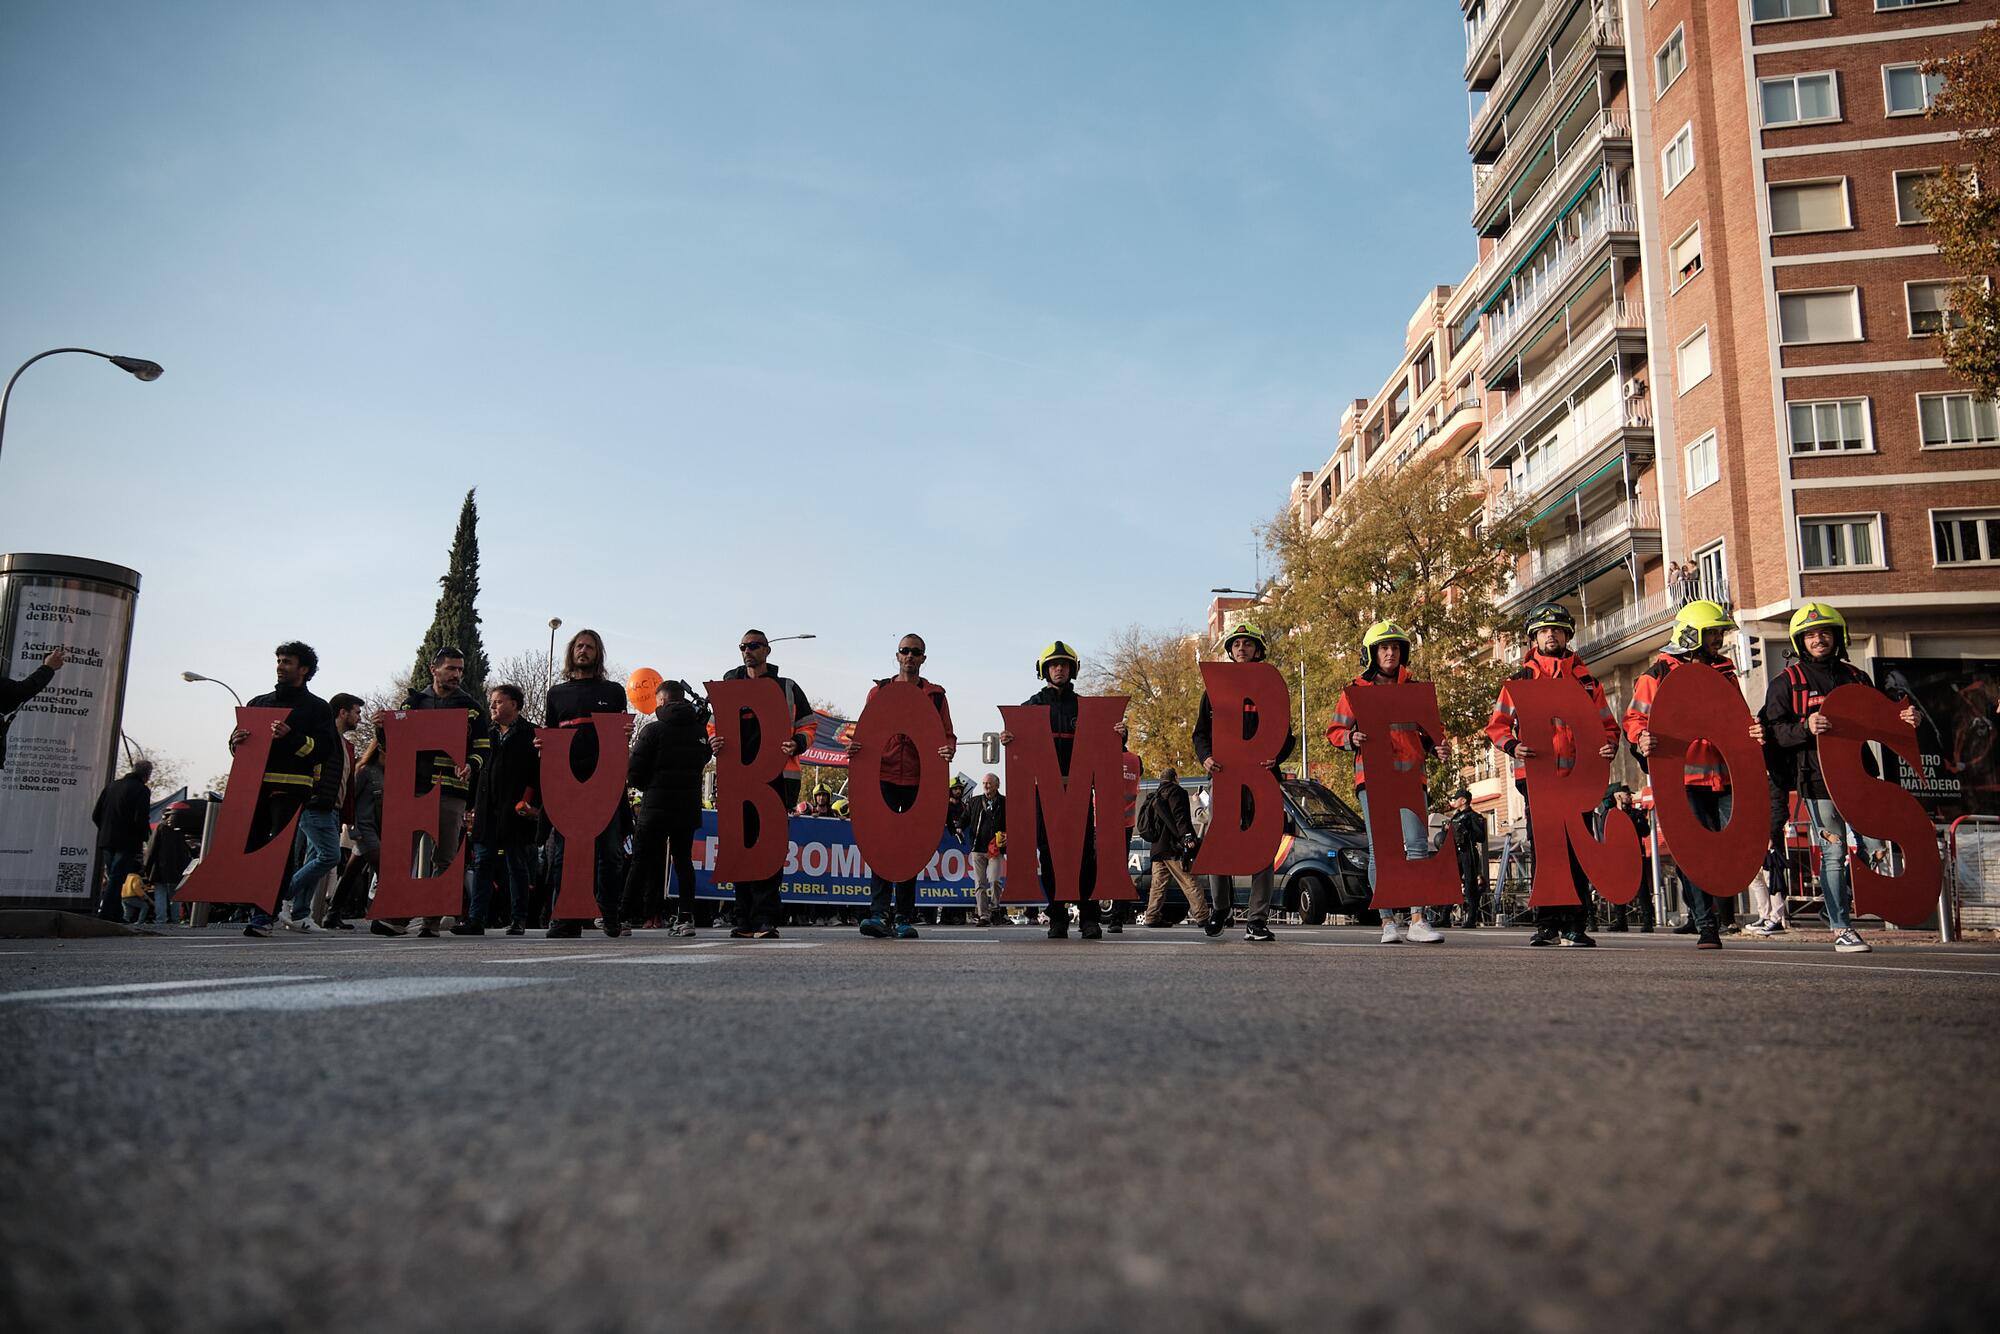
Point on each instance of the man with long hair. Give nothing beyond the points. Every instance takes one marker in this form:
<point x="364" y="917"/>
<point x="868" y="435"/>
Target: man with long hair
<point x="582" y="692"/>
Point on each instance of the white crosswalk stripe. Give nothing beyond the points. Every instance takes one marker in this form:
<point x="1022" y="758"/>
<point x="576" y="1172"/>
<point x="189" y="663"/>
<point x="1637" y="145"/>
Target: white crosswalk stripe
<point x="133" y="988"/>
<point x="310" y="996"/>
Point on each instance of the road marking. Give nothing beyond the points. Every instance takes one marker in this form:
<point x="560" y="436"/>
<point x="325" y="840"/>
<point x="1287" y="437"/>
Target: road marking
<point x="1875" y="967"/>
<point x="322" y="996"/>
<point x="667" y="958"/>
<point x="548" y="958"/>
<point x="779" y="944"/>
<point x="130" y="988"/>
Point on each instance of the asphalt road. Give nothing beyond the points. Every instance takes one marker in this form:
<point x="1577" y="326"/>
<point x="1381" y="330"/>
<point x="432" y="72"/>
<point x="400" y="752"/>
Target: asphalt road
<point x="989" y="1131"/>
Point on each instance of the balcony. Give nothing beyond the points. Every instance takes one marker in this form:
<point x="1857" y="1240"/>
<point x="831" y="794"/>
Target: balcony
<point x="1584" y="342"/>
<point x="1634" y="526"/>
<point x="1601" y="37"/>
<point x="1585" y="442"/>
<point x="1449" y="418"/>
<point x="1539" y="290"/>
<point x="1477" y="33"/>
<point x="1530" y="130"/>
<point x="1603" y="129"/>
<point x="1598" y="635"/>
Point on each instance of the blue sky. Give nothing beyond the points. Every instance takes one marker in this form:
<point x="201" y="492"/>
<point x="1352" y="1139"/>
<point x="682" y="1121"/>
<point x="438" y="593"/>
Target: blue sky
<point x="995" y="322"/>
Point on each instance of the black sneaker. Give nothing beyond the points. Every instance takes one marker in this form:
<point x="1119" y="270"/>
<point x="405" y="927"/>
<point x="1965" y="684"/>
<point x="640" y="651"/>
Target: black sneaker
<point x="1091" y="931"/>
<point x="338" y="924"/>
<point x="611" y="927"/>
<point x="1258" y="932"/>
<point x="257" y="932"/>
<point x="1212" y="927"/>
<point x="765" y="933"/>
<point x="426" y="933"/>
<point x="564" y="931"/>
<point x="1616" y="926"/>
<point x="516" y="929"/>
<point x="1710" y="939"/>
<point x="1578" y="939"/>
<point x="1115" y="927"/>
<point x="1684" y="929"/>
<point x="1646" y="930"/>
<point x="382" y="928"/>
<point x="1058" y="930"/>
<point x="1544" y="935"/>
<point x="741" y="933"/>
<point x="468" y="929"/>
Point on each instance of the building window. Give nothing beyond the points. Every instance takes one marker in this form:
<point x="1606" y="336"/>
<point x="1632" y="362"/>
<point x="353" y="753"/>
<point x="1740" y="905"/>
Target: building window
<point x="1713" y="572"/>
<point x="1954" y="421"/>
<point x="1910" y="187"/>
<point x="1965" y="537"/>
<point x="1908" y="90"/>
<point x="1809" y="206"/>
<point x="1702" y="469"/>
<point x="1678" y="159"/>
<point x="1831" y="426"/>
<point x="1426" y="369"/>
<point x="1881" y="5"/>
<point x="1669" y="61"/>
<point x="1840" y="542"/>
<point x="1930" y="308"/>
<point x="1684" y="257"/>
<point x="1766" y="11"/>
<point x="1820" y="317"/>
<point x="1800" y="99"/>
<point x="1691" y="360"/>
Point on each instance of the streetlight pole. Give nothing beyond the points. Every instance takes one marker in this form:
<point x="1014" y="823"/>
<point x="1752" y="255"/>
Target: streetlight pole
<point x="135" y="366"/>
<point x="197" y="676"/>
<point x="779" y="639"/>
<point x="555" y="624"/>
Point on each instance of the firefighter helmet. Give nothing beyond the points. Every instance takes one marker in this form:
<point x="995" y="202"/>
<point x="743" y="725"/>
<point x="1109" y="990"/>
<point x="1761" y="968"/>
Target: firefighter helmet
<point x="1818" y="616"/>
<point x="1693" y="621"/>
<point x="1056" y="652"/>
<point x="1245" y="630"/>
<point x="1383" y="632"/>
<point x="1552" y="615"/>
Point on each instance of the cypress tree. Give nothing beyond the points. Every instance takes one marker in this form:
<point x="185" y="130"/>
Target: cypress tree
<point x="456" y="621"/>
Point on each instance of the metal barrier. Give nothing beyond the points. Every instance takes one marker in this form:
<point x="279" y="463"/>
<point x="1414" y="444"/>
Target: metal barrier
<point x="1972" y="874"/>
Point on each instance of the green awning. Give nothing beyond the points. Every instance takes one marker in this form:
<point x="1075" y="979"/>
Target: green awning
<point x="1529" y="253"/>
<point x="1569" y="495"/>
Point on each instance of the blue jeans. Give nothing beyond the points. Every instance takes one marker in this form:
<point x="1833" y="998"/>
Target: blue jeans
<point x="1711" y="809"/>
<point x="1415" y="845"/>
<point x="506" y="867"/>
<point x="1830" y="837"/>
<point x="894" y="900"/>
<point x="320" y="832"/>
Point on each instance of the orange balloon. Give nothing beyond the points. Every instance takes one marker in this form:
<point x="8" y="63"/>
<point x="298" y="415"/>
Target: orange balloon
<point x="642" y="688"/>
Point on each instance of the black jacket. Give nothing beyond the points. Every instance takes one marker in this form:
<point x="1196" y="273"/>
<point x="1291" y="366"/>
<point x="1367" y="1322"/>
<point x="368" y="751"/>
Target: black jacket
<point x="1791" y="751"/>
<point x="1170" y="805"/>
<point x="122" y="815"/>
<point x="1204" y="745"/>
<point x="512" y="774"/>
<point x="13" y="694"/>
<point x="666" y="766"/>
<point x="984" y="817"/>
<point x="1062" y="706"/>
<point x="1468" y="828"/>
<point x="310" y="760"/>
<point x="440" y="771"/>
<point x="572" y="701"/>
<point x="167" y="856"/>
<point x="804" y="723"/>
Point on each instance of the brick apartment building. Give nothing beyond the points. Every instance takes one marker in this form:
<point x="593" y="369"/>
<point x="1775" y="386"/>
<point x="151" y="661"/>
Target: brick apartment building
<point x="1701" y="330"/>
<point x="1709" y="307"/>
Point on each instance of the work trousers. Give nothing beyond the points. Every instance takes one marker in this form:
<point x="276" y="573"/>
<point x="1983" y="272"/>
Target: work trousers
<point x="1169" y="870"/>
<point x="759" y="903"/>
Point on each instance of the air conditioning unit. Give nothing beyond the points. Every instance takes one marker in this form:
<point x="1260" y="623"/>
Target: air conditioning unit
<point x="1634" y="387"/>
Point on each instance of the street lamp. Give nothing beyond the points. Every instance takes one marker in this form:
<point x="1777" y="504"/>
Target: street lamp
<point x="136" y="366"/>
<point x="555" y="624"/>
<point x="779" y="639"/>
<point x="197" y="676"/>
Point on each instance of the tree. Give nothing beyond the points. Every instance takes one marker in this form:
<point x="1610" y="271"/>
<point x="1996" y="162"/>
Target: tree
<point x="456" y="620"/>
<point x="169" y="774"/>
<point x="1412" y="545"/>
<point x="1964" y="209"/>
<point x="1160" y="673"/>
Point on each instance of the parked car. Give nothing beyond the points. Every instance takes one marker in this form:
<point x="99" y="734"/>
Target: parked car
<point x="1324" y="868"/>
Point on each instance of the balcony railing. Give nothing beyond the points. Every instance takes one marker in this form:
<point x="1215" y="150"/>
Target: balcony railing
<point x="1584" y="439"/>
<point x="1476" y="33"/>
<point x="1553" y="558"/>
<point x="1531" y="130"/>
<point x="1539" y="289"/>
<point x="1597" y="632"/>
<point x="1616" y="315"/>
<point x="1612" y="127"/>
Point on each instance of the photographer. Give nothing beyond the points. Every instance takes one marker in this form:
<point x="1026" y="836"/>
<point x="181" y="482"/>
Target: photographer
<point x="1167" y="825"/>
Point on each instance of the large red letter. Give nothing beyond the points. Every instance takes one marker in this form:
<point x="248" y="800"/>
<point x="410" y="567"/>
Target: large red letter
<point x="1860" y="714"/>
<point x="1039" y="792"/>
<point x="407" y="738"/>
<point x="1696" y="702"/>
<point x="1230" y="847"/>
<point x="898" y="845"/>
<point x="580" y="810"/>
<point x="743" y="784"/>
<point x="1558" y="798"/>
<point x="227" y="873"/>
<point x="1400" y="882"/>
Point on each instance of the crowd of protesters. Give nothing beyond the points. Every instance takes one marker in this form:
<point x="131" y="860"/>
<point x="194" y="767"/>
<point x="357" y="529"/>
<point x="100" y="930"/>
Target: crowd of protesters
<point x="642" y="866"/>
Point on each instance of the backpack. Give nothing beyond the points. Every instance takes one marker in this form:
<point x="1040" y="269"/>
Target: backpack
<point x="1151" y="827"/>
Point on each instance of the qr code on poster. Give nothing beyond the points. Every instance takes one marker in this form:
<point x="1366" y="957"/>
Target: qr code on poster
<point x="70" y="877"/>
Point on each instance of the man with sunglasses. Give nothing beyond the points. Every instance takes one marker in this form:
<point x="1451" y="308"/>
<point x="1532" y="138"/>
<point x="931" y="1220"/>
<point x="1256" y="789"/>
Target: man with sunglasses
<point x="902" y="768"/>
<point x="757" y="902"/>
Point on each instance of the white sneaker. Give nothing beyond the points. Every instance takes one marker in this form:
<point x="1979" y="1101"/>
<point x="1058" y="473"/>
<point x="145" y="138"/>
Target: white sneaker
<point x="1850" y="942"/>
<point x="1759" y="929"/>
<point x="1422" y="931"/>
<point x="1390" y="936"/>
<point x="289" y="923"/>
